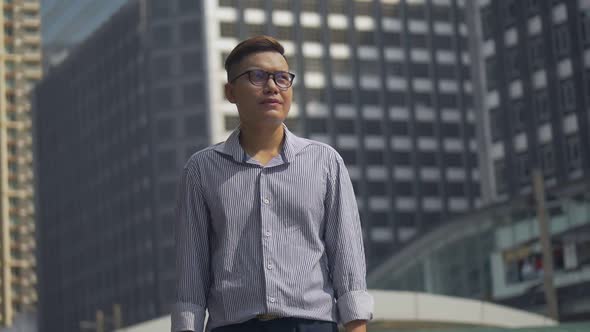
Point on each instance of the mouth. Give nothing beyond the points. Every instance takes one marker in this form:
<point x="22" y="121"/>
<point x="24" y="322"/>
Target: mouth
<point x="271" y="102"/>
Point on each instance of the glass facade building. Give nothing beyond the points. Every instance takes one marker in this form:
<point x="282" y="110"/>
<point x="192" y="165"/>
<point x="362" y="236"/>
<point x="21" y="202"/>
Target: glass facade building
<point x="494" y="254"/>
<point x="66" y="23"/>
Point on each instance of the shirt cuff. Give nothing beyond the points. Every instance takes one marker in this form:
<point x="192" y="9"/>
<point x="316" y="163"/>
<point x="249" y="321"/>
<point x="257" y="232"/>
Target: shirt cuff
<point x="355" y="305"/>
<point x="187" y="317"/>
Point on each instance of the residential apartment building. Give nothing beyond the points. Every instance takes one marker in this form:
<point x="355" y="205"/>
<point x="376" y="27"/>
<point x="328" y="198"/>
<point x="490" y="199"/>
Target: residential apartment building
<point x="387" y="83"/>
<point x="20" y="69"/>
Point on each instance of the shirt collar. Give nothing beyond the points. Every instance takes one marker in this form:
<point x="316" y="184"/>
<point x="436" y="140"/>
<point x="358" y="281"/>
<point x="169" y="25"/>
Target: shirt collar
<point x="292" y="145"/>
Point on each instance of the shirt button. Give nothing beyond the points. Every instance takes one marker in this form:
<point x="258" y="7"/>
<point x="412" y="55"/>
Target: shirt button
<point x="266" y="201"/>
<point x="272" y="299"/>
<point x="269" y="266"/>
<point x="267" y="234"/>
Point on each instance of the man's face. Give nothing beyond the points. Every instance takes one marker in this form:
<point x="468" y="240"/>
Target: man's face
<point x="260" y="105"/>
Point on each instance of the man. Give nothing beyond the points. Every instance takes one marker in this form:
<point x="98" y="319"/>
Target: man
<point x="268" y="234"/>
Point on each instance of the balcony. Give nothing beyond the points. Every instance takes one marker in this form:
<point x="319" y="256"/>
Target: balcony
<point x="32" y="5"/>
<point x="33" y="22"/>
<point x="32" y="39"/>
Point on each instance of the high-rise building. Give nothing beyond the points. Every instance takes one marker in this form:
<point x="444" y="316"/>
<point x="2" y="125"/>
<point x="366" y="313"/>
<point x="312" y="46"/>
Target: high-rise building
<point x="535" y="65"/>
<point x="20" y="69"/>
<point x="385" y="82"/>
<point x="114" y="124"/>
<point x="66" y="23"/>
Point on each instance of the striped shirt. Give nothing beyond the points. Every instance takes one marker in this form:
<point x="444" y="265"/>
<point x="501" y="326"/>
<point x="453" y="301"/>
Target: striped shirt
<point x="282" y="239"/>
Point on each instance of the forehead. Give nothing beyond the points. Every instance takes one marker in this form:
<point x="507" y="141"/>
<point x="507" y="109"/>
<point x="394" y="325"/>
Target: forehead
<point x="269" y="61"/>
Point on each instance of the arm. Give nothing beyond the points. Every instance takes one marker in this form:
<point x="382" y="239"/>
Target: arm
<point x="356" y="326"/>
<point x="192" y="255"/>
<point x="344" y="247"/>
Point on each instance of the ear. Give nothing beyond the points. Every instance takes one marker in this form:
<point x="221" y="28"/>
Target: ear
<point x="229" y="93"/>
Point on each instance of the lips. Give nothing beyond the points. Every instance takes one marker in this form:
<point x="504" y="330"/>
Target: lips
<point x="271" y="101"/>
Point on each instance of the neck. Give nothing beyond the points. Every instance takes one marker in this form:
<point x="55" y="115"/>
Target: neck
<point x="256" y="140"/>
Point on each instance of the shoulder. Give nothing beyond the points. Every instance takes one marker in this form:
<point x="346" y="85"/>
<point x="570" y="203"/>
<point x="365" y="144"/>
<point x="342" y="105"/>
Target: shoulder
<point x="321" y="149"/>
<point x="202" y="156"/>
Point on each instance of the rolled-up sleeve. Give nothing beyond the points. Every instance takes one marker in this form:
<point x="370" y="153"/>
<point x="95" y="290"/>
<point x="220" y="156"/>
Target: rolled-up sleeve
<point x="192" y="254"/>
<point x="344" y="246"/>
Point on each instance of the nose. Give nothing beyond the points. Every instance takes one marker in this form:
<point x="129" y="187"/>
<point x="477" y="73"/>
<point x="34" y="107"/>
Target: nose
<point x="271" y="86"/>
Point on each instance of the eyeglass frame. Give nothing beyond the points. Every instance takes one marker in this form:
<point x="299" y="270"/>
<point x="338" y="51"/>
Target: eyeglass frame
<point x="269" y="74"/>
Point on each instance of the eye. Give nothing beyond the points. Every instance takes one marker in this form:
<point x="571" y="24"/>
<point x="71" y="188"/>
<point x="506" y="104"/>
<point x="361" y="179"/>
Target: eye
<point x="258" y="75"/>
<point x="283" y="77"/>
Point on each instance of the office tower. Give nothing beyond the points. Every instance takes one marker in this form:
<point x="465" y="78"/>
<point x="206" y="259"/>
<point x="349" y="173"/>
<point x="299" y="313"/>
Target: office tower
<point x="535" y="57"/>
<point x="20" y="68"/>
<point x="112" y="137"/>
<point x="385" y="82"/>
<point x="66" y="23"/>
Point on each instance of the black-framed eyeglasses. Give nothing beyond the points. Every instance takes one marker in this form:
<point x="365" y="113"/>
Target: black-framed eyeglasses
<point x="259" y="77"/>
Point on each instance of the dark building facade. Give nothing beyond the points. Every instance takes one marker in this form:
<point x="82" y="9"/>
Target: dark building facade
<point x="109" y="147"/>
<point x="536" y="61"/>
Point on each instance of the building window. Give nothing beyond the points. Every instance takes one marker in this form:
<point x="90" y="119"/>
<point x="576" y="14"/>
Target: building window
<point x="532" y="6"/>
<point x="317" y="126"/>
<point x="162" y="36"/>
<point x="491" y="73"/>
<point x="349" y="156"/>
<point x="519" y="113"/>
<point x="313" y="64"/>
<point x="253" y="3"/>
<point x="368" y="38"/>
<point x="345" y="126"/>
<point x="255" y="29"/>
<point x="496" y="124"/>
<point x="536" y="50"/>
<point x="227" y="3"/>
<point x="310" y="6"/>
<point x="165" y="128"/>
<point x="567" y="95"/>
<point x="377" y="188"/>
<point x="373" y="127"/>
<point x="585" y="22"/>
<point x="192" y="93"/>
<point x="512" y="63"/>
<point x="337" y="6"/>
<point x="487" y="22"/>
<point x="374" y="157"/>
<point x="161" y="67"/>
<point x="500" y="175"/>
<point x="342" y="96"/>
<point x="284" y="32"/>
<point x="315" y="95"/>
<point x="509" y="9"/>
<point x="523" y="168"/>
<point x="574" y="160"/>
<point x="228" y="29"/>
<point x="312" y="34"/>
<point x="281" y="4"/>
<point x="548" y="159"/>
<point x="187" y="6"/>
<point x="191" y="62"/>
<point x="541" y="105"/>
<point x="339" y="36"/>
<point x="561" y="40"/>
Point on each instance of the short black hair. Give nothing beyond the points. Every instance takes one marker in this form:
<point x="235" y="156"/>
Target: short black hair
<point x="250" y="46"/>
